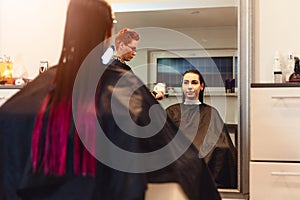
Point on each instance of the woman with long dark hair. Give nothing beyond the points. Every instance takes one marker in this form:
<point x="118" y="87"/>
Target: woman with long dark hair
<point x="203" y="125"/>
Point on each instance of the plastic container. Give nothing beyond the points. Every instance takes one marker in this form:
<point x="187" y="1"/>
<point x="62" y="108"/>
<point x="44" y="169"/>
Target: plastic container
<point x="277" y="72"/>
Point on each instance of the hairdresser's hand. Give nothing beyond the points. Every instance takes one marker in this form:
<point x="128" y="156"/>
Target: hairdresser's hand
<point x="159" y="95"/>
<point x="159" y="91"/>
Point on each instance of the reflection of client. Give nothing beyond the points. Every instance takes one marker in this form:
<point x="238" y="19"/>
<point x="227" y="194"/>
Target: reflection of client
<point x="210" y="135"/>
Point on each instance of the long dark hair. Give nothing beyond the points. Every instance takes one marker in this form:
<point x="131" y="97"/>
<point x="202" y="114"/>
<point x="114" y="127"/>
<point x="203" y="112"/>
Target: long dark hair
<point x="201" y="79"/>
<point x="88" y="23"/>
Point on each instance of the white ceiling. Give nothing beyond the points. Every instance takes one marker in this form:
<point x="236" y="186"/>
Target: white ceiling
<point x="178" y="18"/>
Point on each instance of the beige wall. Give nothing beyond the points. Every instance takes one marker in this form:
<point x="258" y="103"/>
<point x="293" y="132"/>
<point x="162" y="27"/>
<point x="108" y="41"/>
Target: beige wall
<point x="277" y="26"/>
<point x="208" y="38"/>
<point x="32" y="31"/>
<point x="138" y="5"/>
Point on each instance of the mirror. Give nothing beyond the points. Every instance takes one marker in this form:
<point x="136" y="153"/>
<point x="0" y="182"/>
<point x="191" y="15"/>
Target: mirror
<point x="199" y="30"/>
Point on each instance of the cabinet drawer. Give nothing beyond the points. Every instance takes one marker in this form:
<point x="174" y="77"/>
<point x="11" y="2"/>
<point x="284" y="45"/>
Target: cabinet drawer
<point x="276" y="181"/>
<point x="5" y="94"/>
<point x="275" y="124"/>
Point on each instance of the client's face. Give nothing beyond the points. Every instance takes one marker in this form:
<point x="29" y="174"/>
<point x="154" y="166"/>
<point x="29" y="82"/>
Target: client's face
<point x="191" y="86"/>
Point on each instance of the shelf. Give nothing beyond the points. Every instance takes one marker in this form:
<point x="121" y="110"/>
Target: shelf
<point x="11" y="86"/>
<point x="261" y="85"/>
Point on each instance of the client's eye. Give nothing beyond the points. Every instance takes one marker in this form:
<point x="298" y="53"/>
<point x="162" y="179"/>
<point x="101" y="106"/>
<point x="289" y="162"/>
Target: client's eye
<point x="185" y="82"/>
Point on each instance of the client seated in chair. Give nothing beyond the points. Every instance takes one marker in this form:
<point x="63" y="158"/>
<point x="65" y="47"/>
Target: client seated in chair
<point x="203" y="125"/>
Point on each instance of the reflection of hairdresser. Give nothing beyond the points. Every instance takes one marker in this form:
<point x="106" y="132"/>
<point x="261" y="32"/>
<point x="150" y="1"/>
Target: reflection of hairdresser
<point x="126" y="42"/>
<point x="204" y="126"/>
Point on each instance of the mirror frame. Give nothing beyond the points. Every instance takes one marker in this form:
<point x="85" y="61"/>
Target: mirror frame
<point x="246" y="58"/>
<point x="246" y="55"/>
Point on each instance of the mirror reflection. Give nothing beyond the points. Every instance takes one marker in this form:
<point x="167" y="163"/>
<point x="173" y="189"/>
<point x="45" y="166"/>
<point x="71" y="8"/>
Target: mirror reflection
<point x="205" y="39"/>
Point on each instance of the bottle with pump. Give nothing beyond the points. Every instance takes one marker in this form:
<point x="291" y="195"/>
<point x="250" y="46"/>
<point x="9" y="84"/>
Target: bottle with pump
<point x="289" y="67"/>
<point x="295" y="77"/>
<point x="297" y="67"/>
<point x="277" y="73"/>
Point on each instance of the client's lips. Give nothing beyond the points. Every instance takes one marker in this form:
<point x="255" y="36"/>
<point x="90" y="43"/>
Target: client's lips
<point x="190" y="92"/>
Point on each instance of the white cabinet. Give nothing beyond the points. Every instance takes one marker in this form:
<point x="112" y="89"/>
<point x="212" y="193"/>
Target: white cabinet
<point x="274" y="142"/>
<point x="6" y="93"/>
<point x="274" y="180"/>
<point x="275" y="124"/>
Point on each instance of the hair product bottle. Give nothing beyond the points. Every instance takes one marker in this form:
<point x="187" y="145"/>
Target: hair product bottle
<point x="289" y="69"/>
<point x="295" y="77"/>
<point x="277" y="73"/>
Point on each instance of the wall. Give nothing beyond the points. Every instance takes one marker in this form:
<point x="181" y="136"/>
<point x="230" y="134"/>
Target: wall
<point x="1" y="21"/>
<point x="139" y="5"/>
<point x="32" y="31"/>
<point x="208" y="38"/>
<point x="276" y="28"/>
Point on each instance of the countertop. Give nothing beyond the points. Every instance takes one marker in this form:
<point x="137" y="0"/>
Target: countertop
<point x="11" y="86"/>
<point x="290" y="84"/>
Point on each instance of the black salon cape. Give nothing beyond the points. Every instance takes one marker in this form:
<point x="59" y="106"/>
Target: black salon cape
<point x="221" y="157"/>
<point x="17" y="117"/>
